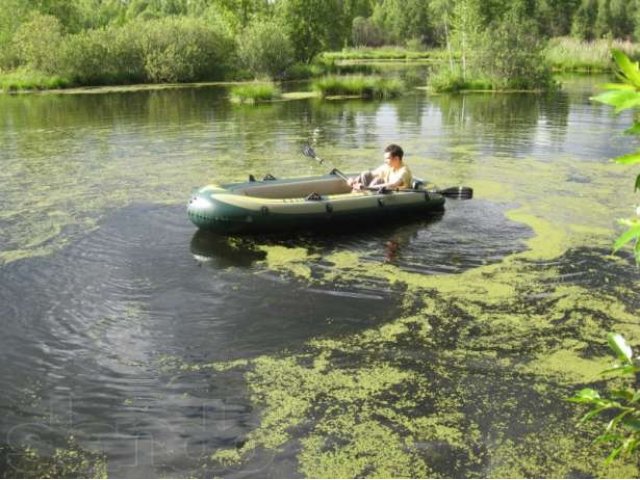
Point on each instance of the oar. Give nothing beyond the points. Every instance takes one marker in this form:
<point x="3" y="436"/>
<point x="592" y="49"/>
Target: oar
<point x="460" y="192"/>
<point x="310" y="152"/>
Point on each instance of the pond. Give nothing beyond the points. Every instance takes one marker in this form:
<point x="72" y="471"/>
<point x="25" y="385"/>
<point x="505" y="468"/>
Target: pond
<point x="135" y="346"/>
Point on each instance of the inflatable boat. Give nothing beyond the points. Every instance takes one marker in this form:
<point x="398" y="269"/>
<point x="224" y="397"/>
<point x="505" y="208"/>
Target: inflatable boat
<point x="272" y="205"/>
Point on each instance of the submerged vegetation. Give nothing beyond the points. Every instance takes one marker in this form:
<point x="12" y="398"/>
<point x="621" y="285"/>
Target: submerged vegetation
<point x="69" y="462"/>
<point x="359" y="86"/>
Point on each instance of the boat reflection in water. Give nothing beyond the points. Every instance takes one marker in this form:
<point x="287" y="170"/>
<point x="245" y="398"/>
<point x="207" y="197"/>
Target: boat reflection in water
<point x="223" y="251"/>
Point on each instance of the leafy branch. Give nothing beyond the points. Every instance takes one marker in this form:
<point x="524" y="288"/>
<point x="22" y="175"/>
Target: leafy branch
<point x="622" y="405"/>
<point x="623" y="96"/>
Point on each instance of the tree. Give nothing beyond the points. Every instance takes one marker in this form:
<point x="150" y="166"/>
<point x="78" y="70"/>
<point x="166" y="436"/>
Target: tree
<point x="352" y="10"/>
<point x="622" y="14"/>
<point x="442" y="11"/>
<point x="466" y="27"/>
<point x="312" y="26"/>
<point x="555" y="16"/>
<point x="603" y="23"/>
<point x="584" y="20"/>
<point x="12" y="14"/>
<point x="365" y="33"/>
<point x="265" y="49"/>
<point x="402" y="20"/>
<point x="510" y="53"/>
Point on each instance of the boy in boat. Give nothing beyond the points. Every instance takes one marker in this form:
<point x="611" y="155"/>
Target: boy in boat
<point x="393" y="174"/>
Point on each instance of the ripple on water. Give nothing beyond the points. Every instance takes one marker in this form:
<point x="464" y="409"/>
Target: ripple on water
<point x="88" y="324"/>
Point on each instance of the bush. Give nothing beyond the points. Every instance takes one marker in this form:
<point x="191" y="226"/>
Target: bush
<point x="86" y="58"/>
<point x="36" y="43"/>
<point x="180" y="49"/>
<point x="265" y="49"/>
<point x="168" y="50"/>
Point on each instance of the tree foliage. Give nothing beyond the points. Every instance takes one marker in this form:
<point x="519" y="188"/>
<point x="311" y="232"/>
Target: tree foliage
<point x="312" y="25"/>
<point x="365" y="33"/>
<point x="265" y="49"/>
<point x="402" y="20"/>
<point x="510" y="54"/>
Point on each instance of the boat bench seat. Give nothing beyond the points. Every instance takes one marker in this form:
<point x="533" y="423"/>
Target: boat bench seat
<point x="329" y="186"/>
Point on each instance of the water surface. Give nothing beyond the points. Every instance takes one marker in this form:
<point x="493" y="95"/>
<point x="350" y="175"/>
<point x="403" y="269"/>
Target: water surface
<point x="450" y="342"/>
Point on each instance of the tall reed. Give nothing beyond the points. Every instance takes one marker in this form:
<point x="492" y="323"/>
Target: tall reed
<point x="571" y="55"/>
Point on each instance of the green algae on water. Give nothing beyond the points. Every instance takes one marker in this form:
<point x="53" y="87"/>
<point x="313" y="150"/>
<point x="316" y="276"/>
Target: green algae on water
<point x="479" y="358"/>
<point x="290" y="260"/>
<point x="69" y="462"/>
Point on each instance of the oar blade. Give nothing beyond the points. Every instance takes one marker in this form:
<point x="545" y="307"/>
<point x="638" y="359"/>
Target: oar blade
<point x="307" y="151"/>
<point x="460" y="192"/>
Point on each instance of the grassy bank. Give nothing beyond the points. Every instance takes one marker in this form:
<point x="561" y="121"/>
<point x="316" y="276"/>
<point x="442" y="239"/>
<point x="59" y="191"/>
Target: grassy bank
<point x="23" y="80"/>
<point x="384" y="53"/>
<point x="447" y="81"/>
<point x="358" y="85"/>
<point x="255" y="93"/>
<point x="570" y="55"/>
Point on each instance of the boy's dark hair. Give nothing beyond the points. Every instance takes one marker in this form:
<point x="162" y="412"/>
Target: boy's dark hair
<point x="394" y="150"/>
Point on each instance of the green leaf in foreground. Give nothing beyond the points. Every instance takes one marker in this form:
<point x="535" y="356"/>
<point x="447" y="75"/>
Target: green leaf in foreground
<point x="628" y="70"/>
<point x="617" y="86"/>
<point x="631" y="234"/>
<point x="634" y="129"/>
<point x="586" y="395"/>
<point x="620" y="99"/>
<point x="620" y="346"/>
<point x="629" y="158"/>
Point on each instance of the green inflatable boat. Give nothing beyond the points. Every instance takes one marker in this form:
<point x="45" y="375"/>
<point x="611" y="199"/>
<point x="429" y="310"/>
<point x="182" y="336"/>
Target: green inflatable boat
<point x="274" y="205"/>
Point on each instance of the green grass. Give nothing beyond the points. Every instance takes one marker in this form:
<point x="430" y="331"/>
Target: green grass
<point x="358" y="85"/>
<point x="255" y="93"/>
<point x="447" y="80"/>
<point x="25" y="80"/>
<point x="570" y="55"/>
<point x="382" y="53"/>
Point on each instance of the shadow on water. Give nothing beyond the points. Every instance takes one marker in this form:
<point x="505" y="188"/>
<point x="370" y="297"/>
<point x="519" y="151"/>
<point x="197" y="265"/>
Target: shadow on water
<point x="468" y="234"/>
